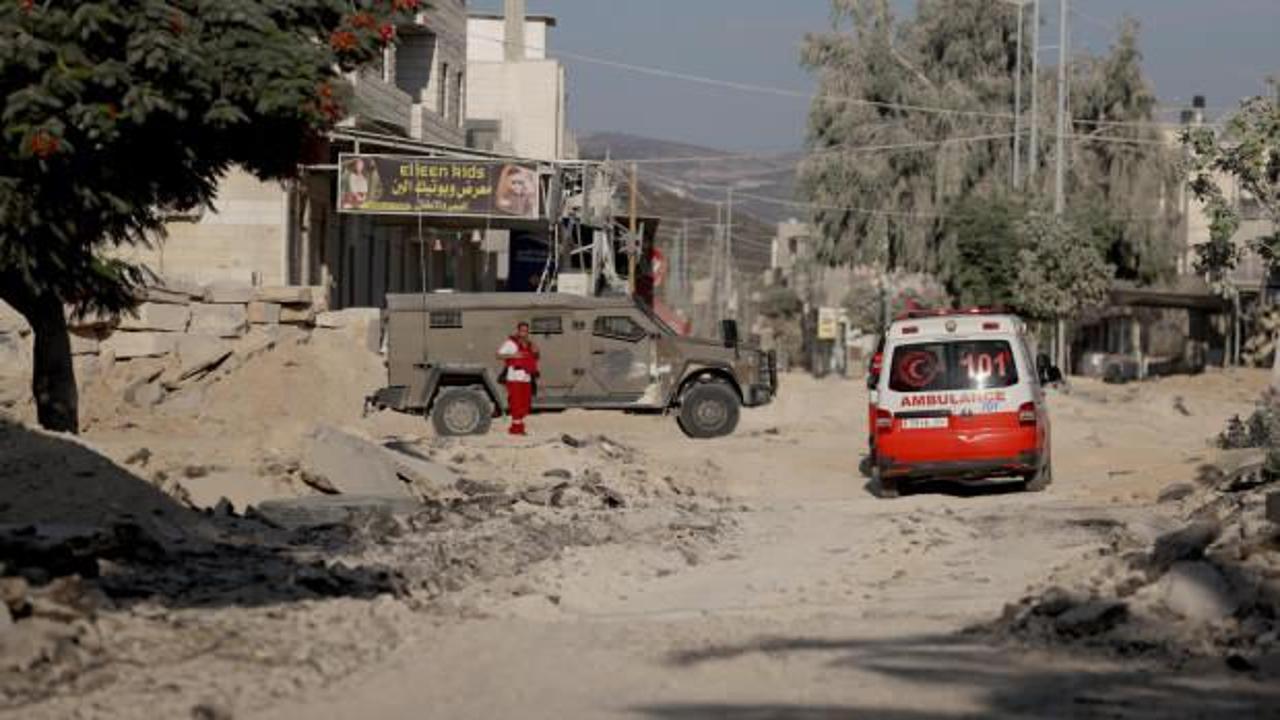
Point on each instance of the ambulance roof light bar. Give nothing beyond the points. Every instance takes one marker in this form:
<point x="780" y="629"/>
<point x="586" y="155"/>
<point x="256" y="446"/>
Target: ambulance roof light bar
<point x="922" y="314"/>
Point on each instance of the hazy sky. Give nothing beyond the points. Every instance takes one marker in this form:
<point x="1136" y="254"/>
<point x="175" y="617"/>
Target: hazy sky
<point x="1221" y="48"/>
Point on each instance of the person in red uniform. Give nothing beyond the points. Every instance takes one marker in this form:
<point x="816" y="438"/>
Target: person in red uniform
<point x="520" y="357"/>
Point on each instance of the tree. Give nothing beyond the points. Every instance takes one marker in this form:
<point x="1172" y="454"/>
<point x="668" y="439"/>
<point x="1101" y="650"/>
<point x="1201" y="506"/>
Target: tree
<point x="1060" y="272"/>
<point x="898" y="207"/>
<point x="1246" y="151"/>
<point x="116" y="110"/>
<point x="984" y="242"/>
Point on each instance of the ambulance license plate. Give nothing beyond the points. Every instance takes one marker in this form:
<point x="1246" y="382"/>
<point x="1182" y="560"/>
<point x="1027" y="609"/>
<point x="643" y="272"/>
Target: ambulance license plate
<point x="933" y="423"/>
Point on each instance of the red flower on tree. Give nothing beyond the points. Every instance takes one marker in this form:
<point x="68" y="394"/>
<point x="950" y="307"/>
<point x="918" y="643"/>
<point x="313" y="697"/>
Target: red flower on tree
<point x="387" y="33"/>
<point x="363" y="20"/>
<point x="405" y="4"/>
<point x="28" y="5"/>
<point x="44" y="144"/>
<point x="343" y="41"/>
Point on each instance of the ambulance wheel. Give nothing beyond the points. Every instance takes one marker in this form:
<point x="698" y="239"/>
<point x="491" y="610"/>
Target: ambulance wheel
<point x="1041" y="480"/>
<point x="884" y="488"/>
<point x="709" y="410"/>
<point x="460" y="411"/>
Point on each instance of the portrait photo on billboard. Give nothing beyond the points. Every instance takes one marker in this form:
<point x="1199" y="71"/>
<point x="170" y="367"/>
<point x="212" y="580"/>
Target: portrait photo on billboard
<point x="360" y="183"/>
<point x="517" y="193"/>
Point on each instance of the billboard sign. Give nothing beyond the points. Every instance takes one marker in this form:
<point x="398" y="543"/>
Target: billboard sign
<point x="407" y="185"/>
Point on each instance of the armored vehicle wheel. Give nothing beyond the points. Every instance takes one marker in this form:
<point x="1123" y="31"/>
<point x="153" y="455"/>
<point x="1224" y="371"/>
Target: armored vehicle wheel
<point x="709" y="410"/>
<point x="462" y="411"/>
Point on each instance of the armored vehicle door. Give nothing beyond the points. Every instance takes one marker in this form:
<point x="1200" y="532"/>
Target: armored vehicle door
<point x="619" y="360"/>
<point x="560" y="347"/>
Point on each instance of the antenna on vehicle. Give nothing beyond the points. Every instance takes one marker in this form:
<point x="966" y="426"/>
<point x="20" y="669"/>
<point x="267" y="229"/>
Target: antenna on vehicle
<point x="422" y="272"/>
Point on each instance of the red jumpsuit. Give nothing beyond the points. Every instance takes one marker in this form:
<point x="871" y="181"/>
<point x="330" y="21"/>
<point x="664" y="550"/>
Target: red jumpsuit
<point x="521" y="359"/>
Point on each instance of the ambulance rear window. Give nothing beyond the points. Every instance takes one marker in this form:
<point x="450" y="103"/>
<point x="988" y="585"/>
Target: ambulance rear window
<point x="943" y="366"/>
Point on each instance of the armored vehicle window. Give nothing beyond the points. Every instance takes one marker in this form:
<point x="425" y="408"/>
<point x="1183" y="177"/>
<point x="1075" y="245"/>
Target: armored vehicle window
<point x="546" y="326"/>
<point x="619" y="327"/>
<point x="446" y="319"/>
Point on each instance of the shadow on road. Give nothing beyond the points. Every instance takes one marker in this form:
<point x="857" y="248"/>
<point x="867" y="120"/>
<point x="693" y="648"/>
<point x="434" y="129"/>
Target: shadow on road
<point x="66" y="509"/>
<point x="1000" y="683"/>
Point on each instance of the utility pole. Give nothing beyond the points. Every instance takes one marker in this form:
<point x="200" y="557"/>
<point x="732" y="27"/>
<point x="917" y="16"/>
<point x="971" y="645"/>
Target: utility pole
<point x="683" y="270"/>
<point x="1017" y="107"/>
<point x="1060" y="182"/>
<point x="634" y="242"/>
<point x="728" y="251"/>
<point x="1059" y="186"/>
<point x="1034" y="161"/>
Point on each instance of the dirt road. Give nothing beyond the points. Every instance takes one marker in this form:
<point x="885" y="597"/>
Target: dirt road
<point x="825" y="602"/>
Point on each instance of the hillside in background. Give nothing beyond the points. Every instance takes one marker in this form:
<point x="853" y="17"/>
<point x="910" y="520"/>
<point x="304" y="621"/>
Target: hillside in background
<point x="690" y="189"/>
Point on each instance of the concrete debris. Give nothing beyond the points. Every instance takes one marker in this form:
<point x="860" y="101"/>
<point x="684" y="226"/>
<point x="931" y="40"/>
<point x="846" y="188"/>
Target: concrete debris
<point x="1188" y="543"/>
<point x="307" y="512"/>
<point x="133" y="345"/>
<point x="226" y="321"/>
<point x="196" y="355"/>
<point x="157" y="317"/>
<point x="1091" y="618"/>
<point x="289" y="295"/>
<point x="1197" y="591"/>
<point x="352" y="465"/>
<point x="228" y="293"/>
<point x="305" y="315"/>
<point x="139" y="457"/>
<point x="264" y="313"/>
<point x="1176" y="492"/>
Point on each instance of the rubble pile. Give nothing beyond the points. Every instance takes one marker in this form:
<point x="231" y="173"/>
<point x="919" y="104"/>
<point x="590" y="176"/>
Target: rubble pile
<point x="105" y="574"/>
<point x="1206" y="588"/>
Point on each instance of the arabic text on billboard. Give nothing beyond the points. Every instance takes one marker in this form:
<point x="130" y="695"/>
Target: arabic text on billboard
<point x="392" y="184"/>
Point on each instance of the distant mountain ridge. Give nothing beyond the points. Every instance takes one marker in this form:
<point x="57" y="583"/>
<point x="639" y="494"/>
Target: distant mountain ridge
<point x="709" y="172"/>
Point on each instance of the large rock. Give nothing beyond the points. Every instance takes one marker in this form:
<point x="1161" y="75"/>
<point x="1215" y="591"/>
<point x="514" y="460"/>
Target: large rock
<point x="131" y="345"/>
<point x="196" y="354"/>
<point x="157" y="317"/>
<point x="228" y="321"/>
<point x="292" y="295"/>
<point x="332" y="509"/>
<point x="1091" y="618"/>
<point x="363" y="324"/>
<point x="234" y="293"/>
<point x="353" y="465"/>
<point x="304" y="315"/>
<point x="1188" y="543"/>
<point x="264" y="313"/>
<point x="1197" y="591"/>
<point x="429" y="476"/>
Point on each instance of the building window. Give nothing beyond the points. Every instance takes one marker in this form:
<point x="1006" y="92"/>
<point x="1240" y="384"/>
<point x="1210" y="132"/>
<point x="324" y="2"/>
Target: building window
<point x="619" y="327"/>
<point x="446" y="319"/>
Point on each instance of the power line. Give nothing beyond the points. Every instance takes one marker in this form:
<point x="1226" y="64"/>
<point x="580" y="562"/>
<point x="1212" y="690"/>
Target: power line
<point x="785" y="92"/>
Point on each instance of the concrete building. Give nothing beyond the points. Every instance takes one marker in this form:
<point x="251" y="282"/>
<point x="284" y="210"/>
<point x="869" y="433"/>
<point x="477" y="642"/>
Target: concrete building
<point x="517" y="101"/>
<point x="1250" y="274"/>
<point x="793" y="242"/>
<point x="278" y="234"/>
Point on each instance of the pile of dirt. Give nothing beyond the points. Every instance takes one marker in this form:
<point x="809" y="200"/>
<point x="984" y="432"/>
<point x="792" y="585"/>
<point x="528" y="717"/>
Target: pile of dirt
<point x="104" y="574"/>
<point x="1200" y="583"/>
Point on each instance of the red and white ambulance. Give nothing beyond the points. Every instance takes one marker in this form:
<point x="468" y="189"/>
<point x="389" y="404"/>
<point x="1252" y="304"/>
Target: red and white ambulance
<point x="960" y="397"/>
